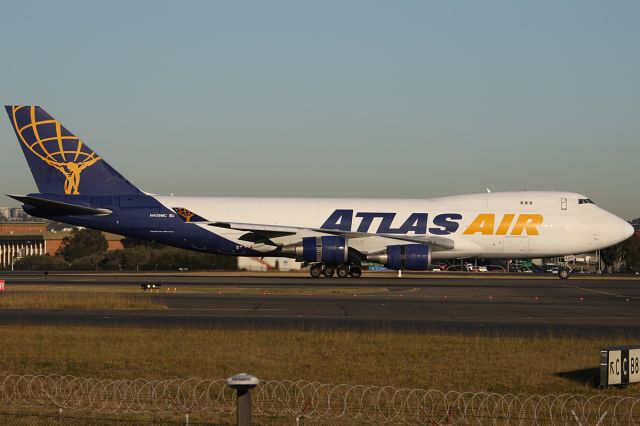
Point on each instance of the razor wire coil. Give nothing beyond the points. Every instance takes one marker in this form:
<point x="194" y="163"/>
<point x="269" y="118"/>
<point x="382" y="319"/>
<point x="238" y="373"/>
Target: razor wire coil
<point x="313" y="401"/>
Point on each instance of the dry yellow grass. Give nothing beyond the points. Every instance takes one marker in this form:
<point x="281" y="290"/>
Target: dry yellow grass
<point x="67" y="300"/>
<point x="463" y="363"/>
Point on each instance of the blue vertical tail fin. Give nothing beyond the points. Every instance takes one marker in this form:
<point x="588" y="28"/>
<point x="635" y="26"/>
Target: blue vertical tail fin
<point x="60" y="162"/>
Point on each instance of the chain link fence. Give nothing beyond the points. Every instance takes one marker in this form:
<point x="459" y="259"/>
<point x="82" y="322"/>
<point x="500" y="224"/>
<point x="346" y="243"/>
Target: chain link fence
<point x="53" y="399"/>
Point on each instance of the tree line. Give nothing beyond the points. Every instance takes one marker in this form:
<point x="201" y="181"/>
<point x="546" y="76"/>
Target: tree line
<point x="624" y="257"/>
<point x="87" y="250"/>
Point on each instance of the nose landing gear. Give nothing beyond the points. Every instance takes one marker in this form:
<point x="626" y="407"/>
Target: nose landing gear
<point x="564" y="273"/>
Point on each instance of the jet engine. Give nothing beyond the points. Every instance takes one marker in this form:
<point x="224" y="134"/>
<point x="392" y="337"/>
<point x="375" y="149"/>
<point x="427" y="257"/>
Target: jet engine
<point x="331" y="250"/>
<point x="416" y="257"/>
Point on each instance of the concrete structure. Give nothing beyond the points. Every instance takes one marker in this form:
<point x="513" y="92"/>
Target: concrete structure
<point x="18" y="239"/>
<point x="13" y="248"/>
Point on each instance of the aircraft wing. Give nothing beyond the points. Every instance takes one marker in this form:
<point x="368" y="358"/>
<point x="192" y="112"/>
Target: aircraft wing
<point x="273" y="231"/>
<point x="276" y="231"/>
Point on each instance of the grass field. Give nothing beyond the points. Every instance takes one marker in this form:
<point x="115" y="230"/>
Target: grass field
<point x="131" y="297"/>
<point x="445" y="362"/>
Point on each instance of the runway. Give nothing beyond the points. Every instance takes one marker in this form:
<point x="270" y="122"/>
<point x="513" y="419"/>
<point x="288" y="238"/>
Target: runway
<point x="492" y="305"/>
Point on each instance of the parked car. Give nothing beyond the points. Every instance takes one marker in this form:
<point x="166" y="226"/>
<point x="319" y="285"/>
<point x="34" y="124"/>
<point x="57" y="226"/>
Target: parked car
<point x="551" y="268"/>
<point x="495" y="268"/>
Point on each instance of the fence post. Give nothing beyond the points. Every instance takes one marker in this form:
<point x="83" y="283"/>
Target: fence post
<point x="243" y="383"/>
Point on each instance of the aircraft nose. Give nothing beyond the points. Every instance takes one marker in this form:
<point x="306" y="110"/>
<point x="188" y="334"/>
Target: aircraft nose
<point x="628" y="230"/>
<point x="615" y="230"/>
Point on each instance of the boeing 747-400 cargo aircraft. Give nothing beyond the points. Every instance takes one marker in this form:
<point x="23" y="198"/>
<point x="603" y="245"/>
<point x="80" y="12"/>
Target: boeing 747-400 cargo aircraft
<point x="332" y="235"/>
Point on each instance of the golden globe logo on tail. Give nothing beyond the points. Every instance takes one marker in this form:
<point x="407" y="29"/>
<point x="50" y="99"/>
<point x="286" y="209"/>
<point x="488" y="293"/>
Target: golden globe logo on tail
<point x="65" y="153"/>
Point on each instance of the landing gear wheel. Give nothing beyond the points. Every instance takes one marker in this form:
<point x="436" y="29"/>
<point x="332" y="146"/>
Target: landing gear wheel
<point x="328" y="271"/>
<point x="315" y="271"/>
<point x="564" y="273"/>
<point x="355" y="272"/>
<point x="342" y="271"/>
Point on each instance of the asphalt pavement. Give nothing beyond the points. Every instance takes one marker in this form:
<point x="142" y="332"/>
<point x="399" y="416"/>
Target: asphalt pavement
<point x="597" y="306"/>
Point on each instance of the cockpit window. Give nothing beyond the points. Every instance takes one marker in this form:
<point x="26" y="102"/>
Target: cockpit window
<point x="585" y="201"/>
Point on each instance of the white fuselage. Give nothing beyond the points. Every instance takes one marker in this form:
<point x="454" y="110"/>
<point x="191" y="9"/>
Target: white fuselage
<point x="525" y="224"/>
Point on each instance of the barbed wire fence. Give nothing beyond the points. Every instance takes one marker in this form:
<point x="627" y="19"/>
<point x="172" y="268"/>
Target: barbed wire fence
<point x="199" y="401"/>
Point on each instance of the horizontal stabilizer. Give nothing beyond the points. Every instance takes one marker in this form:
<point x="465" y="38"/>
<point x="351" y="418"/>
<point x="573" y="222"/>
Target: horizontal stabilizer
<point x="59" y="208"/>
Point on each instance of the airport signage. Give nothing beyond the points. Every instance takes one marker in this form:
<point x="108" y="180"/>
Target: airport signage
<point x="619" y="365"/>
<point x="1" y="285"/>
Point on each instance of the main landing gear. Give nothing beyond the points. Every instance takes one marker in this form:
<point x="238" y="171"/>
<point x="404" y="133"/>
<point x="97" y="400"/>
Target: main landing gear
<point x="316" y="270"/>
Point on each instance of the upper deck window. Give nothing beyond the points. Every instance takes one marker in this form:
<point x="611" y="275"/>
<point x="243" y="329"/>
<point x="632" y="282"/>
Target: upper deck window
<point x="585" y="201"/>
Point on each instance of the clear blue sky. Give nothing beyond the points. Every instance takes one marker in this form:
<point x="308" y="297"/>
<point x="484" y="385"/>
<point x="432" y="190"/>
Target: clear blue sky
<point x="336" y="98"/>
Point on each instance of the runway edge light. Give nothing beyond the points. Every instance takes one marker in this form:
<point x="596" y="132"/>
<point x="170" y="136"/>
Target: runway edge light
<point x="619" y="365"/>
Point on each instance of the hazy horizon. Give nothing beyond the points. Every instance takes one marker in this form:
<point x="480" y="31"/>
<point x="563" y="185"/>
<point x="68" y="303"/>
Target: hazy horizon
<point x="333" y="99"/>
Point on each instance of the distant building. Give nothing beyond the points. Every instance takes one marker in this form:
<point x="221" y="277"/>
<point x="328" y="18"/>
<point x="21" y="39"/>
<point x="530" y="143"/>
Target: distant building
<point x="19" y="239"/>
<point x="26" y="228"/>
<point x="17" y="214"/>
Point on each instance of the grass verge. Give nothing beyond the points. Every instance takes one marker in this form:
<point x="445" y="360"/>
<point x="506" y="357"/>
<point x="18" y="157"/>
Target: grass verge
<point x="53" y="300"/>
<point x="135" y="289"/>
<point x="446" y="362"/>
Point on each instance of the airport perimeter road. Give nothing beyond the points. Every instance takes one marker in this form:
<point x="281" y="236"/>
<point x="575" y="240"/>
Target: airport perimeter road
<point x="532" y="306"/>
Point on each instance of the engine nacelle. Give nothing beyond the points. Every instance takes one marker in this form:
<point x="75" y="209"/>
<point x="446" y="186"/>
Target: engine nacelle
<point x="331" y="250"/>
<point x="415" y="257"/>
